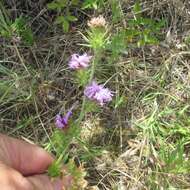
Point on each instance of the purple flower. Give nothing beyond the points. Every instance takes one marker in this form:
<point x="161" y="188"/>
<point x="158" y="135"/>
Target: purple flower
<point x="91" y="90"/>
<point x="79" y="61"/>
<point x="62" y="122"/>
<point x="98" y="93"/>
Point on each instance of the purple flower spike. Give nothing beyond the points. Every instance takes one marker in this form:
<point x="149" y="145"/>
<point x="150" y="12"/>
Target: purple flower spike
<point x="91" y="90"/>
<point x="103" y="96"/>
<point x="98" y="93"/>
<point x="79" y="61"/>
<point x="62" y="122"/>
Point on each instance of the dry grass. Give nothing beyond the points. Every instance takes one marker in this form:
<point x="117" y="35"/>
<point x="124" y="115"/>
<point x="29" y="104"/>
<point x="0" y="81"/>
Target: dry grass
<point x="151" y="78"/>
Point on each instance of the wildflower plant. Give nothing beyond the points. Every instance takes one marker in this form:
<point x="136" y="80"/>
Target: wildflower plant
<point x="97" y="33"/>
<point x="68" y="125"/>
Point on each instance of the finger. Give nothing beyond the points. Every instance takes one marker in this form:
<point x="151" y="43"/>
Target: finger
<point x="11" y="179"/>
<point x="23" y="157"/>
<point x="43" y="182"/>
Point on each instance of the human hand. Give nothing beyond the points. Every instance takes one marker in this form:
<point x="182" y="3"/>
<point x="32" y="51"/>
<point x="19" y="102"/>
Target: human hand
<point x="22" y="166"/>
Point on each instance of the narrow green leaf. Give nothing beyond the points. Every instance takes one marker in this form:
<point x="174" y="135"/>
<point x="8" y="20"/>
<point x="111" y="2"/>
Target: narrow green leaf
<point x="65" y="26"/>
<point x="53" y="6"/>
<point x="71" y="18"/>
<point x="60" y="20"/>
<point x="137" y="8"/>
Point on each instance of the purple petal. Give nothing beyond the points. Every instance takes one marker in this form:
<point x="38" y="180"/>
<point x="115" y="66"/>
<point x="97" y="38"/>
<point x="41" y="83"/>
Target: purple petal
<point x="103" y="96"/>
<point x="62" y="122"/>
<point x="73" y="64"/>
<point x="98" y="93"/>
<point x="58" y="122"/>
<point x="84" y="58"/>
<point x="91" y="90"/>
<point x="79" y="61"/>
<point x="65" y="119"/>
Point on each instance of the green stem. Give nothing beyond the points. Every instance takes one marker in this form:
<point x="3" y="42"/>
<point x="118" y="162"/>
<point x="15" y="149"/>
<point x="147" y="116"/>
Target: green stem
<point x="95" y="61"/>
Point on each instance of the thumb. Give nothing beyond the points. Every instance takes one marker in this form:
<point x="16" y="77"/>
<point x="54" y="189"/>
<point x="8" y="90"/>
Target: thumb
<point x="26" y="158"/>
<point x="44" y="182"/>
<point x="39" y="182"/>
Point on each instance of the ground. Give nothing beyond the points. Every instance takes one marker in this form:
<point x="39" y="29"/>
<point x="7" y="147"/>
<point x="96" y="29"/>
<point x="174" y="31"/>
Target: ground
<point x="141" y="140"/>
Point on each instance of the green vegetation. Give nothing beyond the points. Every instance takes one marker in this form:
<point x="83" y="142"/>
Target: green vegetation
<point x="136" y="137"/>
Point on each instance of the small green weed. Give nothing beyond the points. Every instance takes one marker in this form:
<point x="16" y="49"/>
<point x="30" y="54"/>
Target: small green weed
<point x="143" y="31"/>
<point x="116" y="11"/>
<point x="10" y="83"/>
<point x="17" y="30"/>
<point x="92" y="4"/>
<point x="117" y="45"/>
<point x="174" y="159"/>
<point x="64" y="8"/>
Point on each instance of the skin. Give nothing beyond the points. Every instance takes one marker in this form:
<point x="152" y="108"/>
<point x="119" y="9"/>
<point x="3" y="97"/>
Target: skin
<point x="22" y="167"/>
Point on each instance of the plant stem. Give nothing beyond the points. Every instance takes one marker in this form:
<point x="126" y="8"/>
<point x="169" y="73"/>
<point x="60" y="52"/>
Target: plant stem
<point x="94" y="63"/>
<point x="21" y="59"/>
